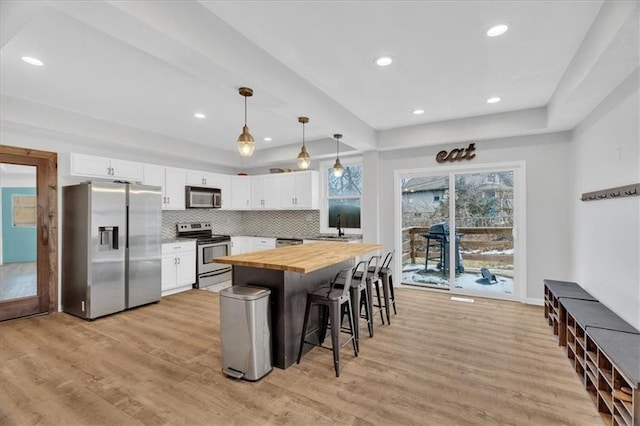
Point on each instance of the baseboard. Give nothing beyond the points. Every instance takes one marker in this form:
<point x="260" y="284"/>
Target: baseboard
<point x="532" y="301"/>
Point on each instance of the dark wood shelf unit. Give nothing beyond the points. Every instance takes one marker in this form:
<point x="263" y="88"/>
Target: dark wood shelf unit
<point x="602" y="348"/>
<point x="553" y="309"/>
<point x="605" y="360"/>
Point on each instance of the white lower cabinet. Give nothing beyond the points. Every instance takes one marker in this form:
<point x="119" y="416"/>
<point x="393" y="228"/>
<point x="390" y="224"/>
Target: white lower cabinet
<point x="261" y="243"/>
<point x="240" y="245"/>
<point x="178" y="266"/>
<point x="244" y="244"/>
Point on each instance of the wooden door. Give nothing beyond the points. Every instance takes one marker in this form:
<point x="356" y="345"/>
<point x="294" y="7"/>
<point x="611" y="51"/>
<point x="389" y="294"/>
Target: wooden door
<point x="43" y="296"/>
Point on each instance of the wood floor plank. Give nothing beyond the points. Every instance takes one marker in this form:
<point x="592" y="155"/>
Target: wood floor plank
<point x="439" y="362"/>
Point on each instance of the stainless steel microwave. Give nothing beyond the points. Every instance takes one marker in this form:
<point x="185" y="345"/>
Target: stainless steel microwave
<point x="203" y="198"/>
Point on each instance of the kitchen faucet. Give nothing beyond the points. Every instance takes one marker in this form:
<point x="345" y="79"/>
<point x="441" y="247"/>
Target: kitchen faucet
<point x="340" y="231"/>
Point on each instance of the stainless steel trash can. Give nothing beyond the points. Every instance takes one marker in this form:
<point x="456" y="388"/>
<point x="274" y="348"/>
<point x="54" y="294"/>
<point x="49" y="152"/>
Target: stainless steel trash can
<point x="245" y="324"/>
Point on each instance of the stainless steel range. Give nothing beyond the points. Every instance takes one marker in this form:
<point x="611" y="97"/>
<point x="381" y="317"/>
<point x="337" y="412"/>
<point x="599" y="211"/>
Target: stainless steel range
<point x="208" y="247"/>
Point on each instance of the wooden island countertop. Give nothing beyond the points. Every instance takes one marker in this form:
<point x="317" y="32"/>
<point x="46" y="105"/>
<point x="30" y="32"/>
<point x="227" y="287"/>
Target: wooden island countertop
<point x="301" y="258"/>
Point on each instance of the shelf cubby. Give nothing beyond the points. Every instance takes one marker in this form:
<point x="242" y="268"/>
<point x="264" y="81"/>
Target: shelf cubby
<point x="554" y="312"/>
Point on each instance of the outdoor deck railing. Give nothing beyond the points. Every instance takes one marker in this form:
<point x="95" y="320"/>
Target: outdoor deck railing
<point x="481" y="243"/>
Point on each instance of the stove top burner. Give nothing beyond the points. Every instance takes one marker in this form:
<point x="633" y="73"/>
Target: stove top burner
<point x="201" y="231"/>
<point x="210" y="239"/>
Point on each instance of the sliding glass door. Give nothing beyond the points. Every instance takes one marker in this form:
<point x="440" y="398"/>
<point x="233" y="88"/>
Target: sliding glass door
<point x="472" y="250"/>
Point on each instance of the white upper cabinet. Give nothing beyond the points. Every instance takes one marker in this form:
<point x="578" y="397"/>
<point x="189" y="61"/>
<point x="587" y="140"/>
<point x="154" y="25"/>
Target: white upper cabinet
<point x="300" y="190"/>
<point x="107" y="168"/>
<point x="240" y="193"/>
<point x="223" y="182"/>
<point x="198" y="178"/>
<point x="171" y="180"/>
<point x="265" y="192"/>
<point x="212" y="180"/>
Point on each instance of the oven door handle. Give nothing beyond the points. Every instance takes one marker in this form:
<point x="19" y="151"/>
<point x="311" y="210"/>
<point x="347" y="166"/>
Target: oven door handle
<point x="216" y="272"/>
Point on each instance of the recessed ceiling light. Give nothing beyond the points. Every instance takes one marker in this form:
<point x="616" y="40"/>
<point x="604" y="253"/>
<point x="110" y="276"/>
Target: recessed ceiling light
<point x="497" y="30"/>
<point x="32" y="61"/>
<point x="268" y="139"/>
<point x="493" y="100"/>
<point x="199" y="115"/>
<point x="383" y="61"/>
<point x="418" y="111"/>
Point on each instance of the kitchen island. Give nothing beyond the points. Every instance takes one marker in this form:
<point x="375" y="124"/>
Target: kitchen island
<point x="290" y="272"/>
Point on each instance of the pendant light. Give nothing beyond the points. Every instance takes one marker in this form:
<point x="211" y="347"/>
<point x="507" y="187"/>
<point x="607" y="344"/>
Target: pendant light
<point x="246" y="144"/>
<point x="304" y="161"/>
<point x="338" y="170"/>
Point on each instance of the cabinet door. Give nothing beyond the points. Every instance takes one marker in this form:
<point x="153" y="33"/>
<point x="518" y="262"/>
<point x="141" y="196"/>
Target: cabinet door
<point x="272" y="193"/>
<point x="257" y="192"/>
<point x="89" y="165"/>
<point x="240" y="193"/>
<point x="288" y="190"/>
<point x="198" y="178"/>
<point x="259" y="243"/>
<point x="168" y="280"/>
<point x="186" y="268"/>
<point x="307" y="190"/>
<point x="174" y="188"/>
<point x="153" y="175"/>
<point x="127" y="170"/>
<point x="223" y="183"/>
<point x="240" y="245"/>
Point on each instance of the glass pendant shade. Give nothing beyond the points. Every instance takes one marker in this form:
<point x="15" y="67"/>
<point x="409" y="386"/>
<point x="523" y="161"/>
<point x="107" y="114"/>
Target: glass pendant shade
<point x="246" y="143"/>
<point x="304" y="160"/>
<point x="338" y="170"/>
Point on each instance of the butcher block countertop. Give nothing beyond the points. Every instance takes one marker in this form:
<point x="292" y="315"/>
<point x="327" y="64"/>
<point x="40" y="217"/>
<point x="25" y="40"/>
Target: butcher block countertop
<point x="301" y="258"/>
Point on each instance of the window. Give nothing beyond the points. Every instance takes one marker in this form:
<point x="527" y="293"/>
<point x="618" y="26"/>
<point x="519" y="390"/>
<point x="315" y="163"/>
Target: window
<point x="343" y="198"/>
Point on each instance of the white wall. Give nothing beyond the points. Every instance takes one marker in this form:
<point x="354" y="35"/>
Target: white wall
<point x="547" y="159"/>
<point x="607" y="232"/>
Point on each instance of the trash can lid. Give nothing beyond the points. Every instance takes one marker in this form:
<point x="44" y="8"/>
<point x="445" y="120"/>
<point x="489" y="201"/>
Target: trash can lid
<point x="245" y="292"/>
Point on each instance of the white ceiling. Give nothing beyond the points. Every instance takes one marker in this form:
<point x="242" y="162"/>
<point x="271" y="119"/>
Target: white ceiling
<point x="143" y="68"/>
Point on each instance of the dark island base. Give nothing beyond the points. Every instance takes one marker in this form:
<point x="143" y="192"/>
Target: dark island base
<point x="288" y="301"/>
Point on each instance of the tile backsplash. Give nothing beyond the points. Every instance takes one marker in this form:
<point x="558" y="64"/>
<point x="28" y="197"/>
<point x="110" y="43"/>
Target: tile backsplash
<point x="276" y="223"/>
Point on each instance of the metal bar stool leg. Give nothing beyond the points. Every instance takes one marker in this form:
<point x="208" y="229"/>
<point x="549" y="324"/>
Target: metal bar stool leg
<point x="385" y="293"/>
<point x="304" y="328"/>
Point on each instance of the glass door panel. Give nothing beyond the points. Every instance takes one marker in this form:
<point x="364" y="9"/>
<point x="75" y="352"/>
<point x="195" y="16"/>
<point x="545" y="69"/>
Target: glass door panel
<point x="482" y="257"/>
<point x="425" y="214"/>
<point x="18" y="236"/>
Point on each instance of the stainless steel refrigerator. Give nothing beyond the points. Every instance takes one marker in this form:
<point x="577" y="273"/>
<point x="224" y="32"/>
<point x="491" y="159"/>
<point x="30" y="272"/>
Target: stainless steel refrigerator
<point x="111" y="247"/>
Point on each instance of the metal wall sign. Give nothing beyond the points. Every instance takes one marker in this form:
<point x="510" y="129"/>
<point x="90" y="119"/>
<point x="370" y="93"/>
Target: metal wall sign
<point x="457" y="154"/>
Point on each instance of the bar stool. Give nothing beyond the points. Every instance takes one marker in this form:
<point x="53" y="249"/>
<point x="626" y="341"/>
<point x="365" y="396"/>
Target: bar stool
<point x="387" y="279"/>
<point x="334" y="300"/>
<point x="359" y="293"/>
<point x="373" y="278"/>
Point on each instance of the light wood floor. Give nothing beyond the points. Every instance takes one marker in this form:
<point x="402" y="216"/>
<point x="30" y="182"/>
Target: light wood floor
<point x="440" y="362"/>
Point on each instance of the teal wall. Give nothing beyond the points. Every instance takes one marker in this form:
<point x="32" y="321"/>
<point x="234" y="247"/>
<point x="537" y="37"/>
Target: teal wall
<point x="18" y="244"/>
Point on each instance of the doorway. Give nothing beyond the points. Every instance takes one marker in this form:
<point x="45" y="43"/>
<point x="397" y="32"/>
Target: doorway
<point x="459" y="229"/>
<point x="28" y="232"/>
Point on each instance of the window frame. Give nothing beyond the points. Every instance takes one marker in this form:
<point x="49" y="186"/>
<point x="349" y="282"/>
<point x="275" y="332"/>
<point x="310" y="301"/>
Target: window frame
<point x="324" y="205"/>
